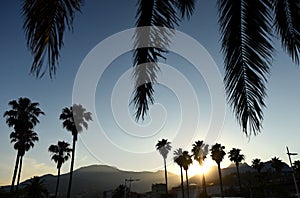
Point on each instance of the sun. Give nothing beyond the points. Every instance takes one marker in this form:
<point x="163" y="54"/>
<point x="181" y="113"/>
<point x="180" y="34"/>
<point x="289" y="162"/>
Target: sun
<point x="195" y="168"/>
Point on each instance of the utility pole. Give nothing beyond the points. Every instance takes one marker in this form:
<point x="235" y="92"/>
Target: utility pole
<point x="294" y="178"/>
<point x="129" y="180"/>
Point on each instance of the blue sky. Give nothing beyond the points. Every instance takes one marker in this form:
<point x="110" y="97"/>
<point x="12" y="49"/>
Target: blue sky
<point x="96" y="23"/>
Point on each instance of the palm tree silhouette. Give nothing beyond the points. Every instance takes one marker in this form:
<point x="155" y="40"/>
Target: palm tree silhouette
<point x="179" y="160"/>
<point x="217" y="154"/>
<point x="236" y="157"/>
<point x="257" y="164"/>
<point x="163" y="146"/>
<point x="35" y="188"/>
<point x="60" y="154"/>
<point x="277" y="164"/>
<point x="186" y="163"/>
<point x="23" y="117"/>
<point x="74" y="119"/>
<point x="246" y="29"/>
<point x="200" y="150"/>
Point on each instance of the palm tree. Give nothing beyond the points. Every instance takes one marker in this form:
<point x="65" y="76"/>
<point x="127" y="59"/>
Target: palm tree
<point x="246" y="35"/>
<point x="23" y="117"/>
<point x="35" y="188"/>
<point x="236" y="157"/>
<point x="60" y="154"/>
<point x="277" y="164"/>
<point x="74" y="119"/>
<point x="163" y="146"/>
<point x="257" y="164"/>
<point x="186" y="163"/>
<point x="200" y="150"/>
<point x="217" y="154"/>
<point x="179" y="160"/>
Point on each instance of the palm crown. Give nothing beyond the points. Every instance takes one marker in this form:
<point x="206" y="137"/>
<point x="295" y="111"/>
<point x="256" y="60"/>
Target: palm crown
<point x="60" y="152"/>
<point x="163" y="146"/>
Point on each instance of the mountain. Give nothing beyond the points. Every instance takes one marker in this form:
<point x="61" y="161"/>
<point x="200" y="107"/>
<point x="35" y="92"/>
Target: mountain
<point x="92" y="181"/>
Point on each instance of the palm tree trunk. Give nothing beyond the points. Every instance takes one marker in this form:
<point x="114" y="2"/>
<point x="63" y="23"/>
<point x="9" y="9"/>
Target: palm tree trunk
<point x="220" y="177"/>
<point x="166" y="176"/>
<point x="182" y="189"/>
<point x="238" y="173"/>
<point x="71" y="168"/>
<point x="19" y="174"/>
<point x="15" y="173"/>
<point x="187" y="184"/>
<point x="57" y="182"/>
<point x="204" y="184"/>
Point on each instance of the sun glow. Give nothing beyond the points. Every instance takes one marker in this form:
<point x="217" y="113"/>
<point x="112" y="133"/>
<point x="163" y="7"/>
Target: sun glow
<point x="195" y="168"/>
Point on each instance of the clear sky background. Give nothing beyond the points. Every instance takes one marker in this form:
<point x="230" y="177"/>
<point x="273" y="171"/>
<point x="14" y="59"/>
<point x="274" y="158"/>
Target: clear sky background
<point x="98" y="21"/>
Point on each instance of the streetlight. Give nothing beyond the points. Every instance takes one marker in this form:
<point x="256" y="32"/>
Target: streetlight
<point x="129" y="180"/>
<point x="294" y="178"/>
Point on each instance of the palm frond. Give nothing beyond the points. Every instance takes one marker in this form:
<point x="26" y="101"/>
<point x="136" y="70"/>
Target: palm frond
<point x="246" y="44"/>
<point x="287" y="17"/>
<point x="158" y="18"/>
<point x="44" y="25"/>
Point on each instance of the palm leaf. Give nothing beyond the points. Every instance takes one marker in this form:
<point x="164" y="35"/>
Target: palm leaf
<point x="151" y="43"/>
<point x="245" y="27"/>
<point x="44" y="25"/>
<point x="287" y="17"/>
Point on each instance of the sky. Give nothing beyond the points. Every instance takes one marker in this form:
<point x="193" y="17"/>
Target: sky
<point x="188" y="106"/>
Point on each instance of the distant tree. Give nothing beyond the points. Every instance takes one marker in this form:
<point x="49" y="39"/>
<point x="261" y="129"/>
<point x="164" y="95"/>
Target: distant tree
<point x="120" y="191"/>
<point x="74" y="119"/>
<point x="35" y="188"/>
<point x="186" y="163"/>
<point x="217" y="154"/>
<point x="296" y="167"/>
<point x="200" y="150"/>
<point x="277" y="164"/>
<point x="60" y="154"/>
<point x="236" y="157"/>
<point x="179" y="160"/>
<point x="257" y="165"/>
<point x="163" y="146"/>
<point x="23" y="117"/>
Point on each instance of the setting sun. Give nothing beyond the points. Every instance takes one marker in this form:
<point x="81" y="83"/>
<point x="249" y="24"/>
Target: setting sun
<point x="195" y="168"/>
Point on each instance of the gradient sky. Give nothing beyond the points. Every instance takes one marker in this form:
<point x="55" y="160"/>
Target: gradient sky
<point x="97" y="22"/>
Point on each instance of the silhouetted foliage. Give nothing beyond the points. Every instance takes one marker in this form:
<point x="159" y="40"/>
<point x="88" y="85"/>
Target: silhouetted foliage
<point x="35" y="188"/>
<point x="257" y="164"/>
<point x="74" y="119"/>
<point x="23" y="117"/>
<point x="217" y="154"/>
<point x="236" y="157"/>
<point x="163" y="146"/>
<point x="60" y="154"/>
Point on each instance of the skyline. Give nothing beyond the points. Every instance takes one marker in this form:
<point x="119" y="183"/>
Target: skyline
<point x="281" y="115"/>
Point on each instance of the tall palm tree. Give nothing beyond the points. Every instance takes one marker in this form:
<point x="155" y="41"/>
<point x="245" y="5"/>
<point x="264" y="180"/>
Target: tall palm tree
<point x="246" y="35"/>
<point x="257" y="164"/>
<point x="236" y="157"/>
<point x="36" y="188"/>
<point x="217" y="154"/>
<point x="74" y="119"/>
<point x="163" y="146"/>
<point x="60" y="154"/>
<point x="23" y="117"/>
<point x="179" y="160"/>
<point x="186" y="163"/>
<point x="200" y="150"/>
<point x="277" y="164"/>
